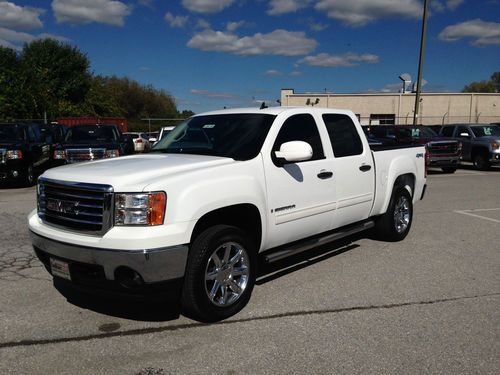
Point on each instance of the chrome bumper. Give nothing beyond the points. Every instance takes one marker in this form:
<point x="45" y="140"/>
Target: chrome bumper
<point x="154" y="265"/>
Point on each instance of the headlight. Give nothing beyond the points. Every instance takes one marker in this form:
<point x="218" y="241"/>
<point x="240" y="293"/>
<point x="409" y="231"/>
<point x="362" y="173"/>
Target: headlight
<point x="14" y="154"/>
<point x="459" y="146"/>
<point x="494" y="146"/>
<point x="140" y="209"/>
<point x="59" y="154"/>
<point x="112" y="153"/>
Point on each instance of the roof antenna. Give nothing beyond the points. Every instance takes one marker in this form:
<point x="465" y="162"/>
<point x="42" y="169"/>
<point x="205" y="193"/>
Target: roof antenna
<point x="263" y="105"/>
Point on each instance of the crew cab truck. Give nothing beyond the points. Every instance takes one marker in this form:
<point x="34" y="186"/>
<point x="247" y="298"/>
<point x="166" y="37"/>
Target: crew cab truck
<point x="480" y="142"/>
<point x="24" y="151"/>
<point x="220" y="190"/>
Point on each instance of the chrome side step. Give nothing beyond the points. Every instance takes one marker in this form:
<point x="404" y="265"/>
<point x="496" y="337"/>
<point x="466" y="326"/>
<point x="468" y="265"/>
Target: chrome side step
<point x="274" y="256"/>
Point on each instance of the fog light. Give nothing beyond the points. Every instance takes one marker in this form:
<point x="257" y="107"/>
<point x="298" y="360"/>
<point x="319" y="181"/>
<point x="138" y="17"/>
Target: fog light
<point x="127" y="277"/>
<point x="15" y="174"/>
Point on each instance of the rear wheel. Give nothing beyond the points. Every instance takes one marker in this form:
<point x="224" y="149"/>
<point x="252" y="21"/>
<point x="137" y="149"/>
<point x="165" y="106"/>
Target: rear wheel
<point x="220" y="274"/>
<point x="481" y="162"/>
<point x="395" y="224"/>
<point x="449" y="169"/>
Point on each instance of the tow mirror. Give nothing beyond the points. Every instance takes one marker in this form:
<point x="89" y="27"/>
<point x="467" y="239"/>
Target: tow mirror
<point x="294" y="151"/>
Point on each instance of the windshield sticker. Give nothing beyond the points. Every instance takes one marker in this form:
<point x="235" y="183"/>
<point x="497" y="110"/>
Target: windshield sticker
<point x="209" y="126"/>
<point x="487" y="131"/>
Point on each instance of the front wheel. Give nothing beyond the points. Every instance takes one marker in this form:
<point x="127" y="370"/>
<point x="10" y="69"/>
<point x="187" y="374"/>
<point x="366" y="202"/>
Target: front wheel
<point x="220" y="274"/>
<point x="395" y="224"/>
<point x="481" y="162"/>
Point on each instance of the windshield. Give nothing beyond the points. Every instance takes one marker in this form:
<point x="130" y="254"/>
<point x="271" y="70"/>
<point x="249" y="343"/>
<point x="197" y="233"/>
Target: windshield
<point x="417" y="133"/>
<point x="91" y="133"/>
<point x="11" y="132"/>
<point x="237" y="136"/>
<point x="486" y="130"/>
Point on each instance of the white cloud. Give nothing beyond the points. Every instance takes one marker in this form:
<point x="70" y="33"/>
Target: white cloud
<point x="213" y="94"/>
<point x="18" y="17"/>
<point x="453" y="4"/>
<point x="295" y="73"/>
<point x="206" y="6"/>
<point x="361" y="12"/>
<point x="176" y="21"/>
<point x="110" y="12"/>
<point x="482" y="33"/>
<point x="278" y="7"/>
<point x="273" y="73"/>
<point x="232" y="26"/>
<point x="333" y="61"/>
<point x="278" y="42"/>
<point x="203" y="24"/>
<point x="13" y="39"/>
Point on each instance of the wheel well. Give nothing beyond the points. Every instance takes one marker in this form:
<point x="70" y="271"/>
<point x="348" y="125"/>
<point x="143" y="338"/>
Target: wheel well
<point x="244" y="216"/>
<point x="405" y="180"/>
<point x="479" y="150"/>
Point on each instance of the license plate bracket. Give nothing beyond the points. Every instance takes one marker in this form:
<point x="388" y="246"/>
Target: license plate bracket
<point x="60" y="268"/>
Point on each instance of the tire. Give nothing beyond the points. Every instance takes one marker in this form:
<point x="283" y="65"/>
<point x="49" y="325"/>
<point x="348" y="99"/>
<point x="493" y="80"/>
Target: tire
<point x="480" y="162"/>
<point x="449" y="169"/>
<point x="29" y="175"/>
<point x="220" y="274"/>
<point x="395" y="224"/>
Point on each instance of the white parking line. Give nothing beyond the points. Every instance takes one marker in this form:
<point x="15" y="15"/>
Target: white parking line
<point x="470" y="213"/>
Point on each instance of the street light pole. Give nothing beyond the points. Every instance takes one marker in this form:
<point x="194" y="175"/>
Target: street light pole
<point x="420" y="65"/>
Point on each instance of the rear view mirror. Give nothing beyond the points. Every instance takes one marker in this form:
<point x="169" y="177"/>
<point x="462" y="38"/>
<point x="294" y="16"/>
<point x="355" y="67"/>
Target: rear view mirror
<point x="294" y="151"/>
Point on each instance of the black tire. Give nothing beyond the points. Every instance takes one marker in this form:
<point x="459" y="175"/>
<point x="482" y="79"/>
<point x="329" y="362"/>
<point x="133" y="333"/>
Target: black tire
<point x="449" y="169"/>
<point x="395" y="224"/>
<point x="29" y="175"/>
<point x="208" y="306"/>
<point x="481" y="162"/>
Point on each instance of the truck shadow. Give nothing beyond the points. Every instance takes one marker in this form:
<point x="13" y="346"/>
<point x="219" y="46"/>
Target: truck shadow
<point x="161" y="310"/>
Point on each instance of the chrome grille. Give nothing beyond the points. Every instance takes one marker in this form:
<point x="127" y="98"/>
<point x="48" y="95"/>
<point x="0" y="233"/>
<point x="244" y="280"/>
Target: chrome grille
<point x="77" y="155"/>
<point x="76" y="206"/>
<point x="3" y="151"/>
<point x="442" y="147"/>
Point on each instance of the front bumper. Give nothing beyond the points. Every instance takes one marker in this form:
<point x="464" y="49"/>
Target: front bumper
<point x="153" y="265"/>
<point x="495" y="157"/>
<point x="444" y="161"/>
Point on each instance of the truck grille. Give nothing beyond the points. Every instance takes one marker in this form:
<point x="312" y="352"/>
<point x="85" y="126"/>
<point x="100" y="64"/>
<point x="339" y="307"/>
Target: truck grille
<point x="77" y="155"/>
<point x="442" y="147"/>
<point x="76" y="206"/>
<point x="2" y="155"/>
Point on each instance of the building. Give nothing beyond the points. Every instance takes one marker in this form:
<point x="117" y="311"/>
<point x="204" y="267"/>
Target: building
<point x="397" y="108"/>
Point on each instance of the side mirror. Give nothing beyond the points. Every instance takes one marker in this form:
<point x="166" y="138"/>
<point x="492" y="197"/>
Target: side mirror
<point x="465" y="135"/>
<point x="294" y="151"/>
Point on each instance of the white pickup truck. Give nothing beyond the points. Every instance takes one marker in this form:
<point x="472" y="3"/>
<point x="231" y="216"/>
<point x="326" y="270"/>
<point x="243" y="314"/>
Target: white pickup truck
<point x="220" y="192"/>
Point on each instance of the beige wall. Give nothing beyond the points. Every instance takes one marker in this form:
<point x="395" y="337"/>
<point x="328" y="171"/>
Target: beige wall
<point x="435" y="108"/>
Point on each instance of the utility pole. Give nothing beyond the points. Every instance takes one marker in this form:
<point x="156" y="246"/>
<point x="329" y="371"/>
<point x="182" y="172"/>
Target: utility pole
<point x="420" y="65"/>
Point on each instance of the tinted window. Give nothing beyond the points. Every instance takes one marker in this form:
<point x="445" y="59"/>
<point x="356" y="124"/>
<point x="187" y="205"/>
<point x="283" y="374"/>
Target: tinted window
<point x="343" y="135"/>
<point x="462" y="129"/>
<point x="11" y="132"/>
<point x="447" y="131"/>
<point x="300" y="128"/>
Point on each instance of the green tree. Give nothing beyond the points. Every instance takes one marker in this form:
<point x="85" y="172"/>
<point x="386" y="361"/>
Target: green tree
<point x="57" y="78"/>
<point x="12" y="104"/>
<point x="493" y="85"/>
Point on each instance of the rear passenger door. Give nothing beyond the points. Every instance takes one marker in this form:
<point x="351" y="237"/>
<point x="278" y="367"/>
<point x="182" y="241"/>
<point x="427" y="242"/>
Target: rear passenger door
<point x="354" y="172"/>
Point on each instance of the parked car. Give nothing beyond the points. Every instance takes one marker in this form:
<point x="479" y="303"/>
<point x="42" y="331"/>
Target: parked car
<point x="266" y="183"/>
<point x="443" y="153"/>
<point x="90" y="142"/>
<point x="141" y="141"/>
<point x="163" y="132"/>
<point x="24" y="152"/>
<point x="481" y="142"/>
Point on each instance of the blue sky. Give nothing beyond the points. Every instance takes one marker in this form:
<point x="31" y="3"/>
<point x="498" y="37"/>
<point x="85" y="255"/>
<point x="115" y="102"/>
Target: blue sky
<point x="213" y="53"/>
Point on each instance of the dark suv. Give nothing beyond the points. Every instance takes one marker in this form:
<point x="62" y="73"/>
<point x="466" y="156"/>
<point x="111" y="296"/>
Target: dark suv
<point x="481" y="142"/>
<point x="442" y="152"/>
<point x="24" y="151"/>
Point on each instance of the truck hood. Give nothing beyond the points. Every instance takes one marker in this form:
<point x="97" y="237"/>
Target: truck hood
<point x="133" y="173"/>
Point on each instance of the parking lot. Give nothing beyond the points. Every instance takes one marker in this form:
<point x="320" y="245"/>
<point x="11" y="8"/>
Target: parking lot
<point x="428" y="304"/>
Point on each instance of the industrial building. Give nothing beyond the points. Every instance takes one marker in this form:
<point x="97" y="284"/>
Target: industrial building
<point x="398" y="108"/>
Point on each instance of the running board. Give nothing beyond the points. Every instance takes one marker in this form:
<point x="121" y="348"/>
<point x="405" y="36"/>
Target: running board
<point x="274" y="256"/>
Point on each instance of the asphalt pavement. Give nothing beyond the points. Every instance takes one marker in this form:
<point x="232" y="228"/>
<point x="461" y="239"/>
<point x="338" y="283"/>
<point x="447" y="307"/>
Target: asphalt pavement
<point x="428" y="304"/>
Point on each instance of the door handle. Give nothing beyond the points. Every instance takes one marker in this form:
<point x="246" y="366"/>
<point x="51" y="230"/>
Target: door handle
<point x="365" y="168"/>
<point x="325" y="175"/>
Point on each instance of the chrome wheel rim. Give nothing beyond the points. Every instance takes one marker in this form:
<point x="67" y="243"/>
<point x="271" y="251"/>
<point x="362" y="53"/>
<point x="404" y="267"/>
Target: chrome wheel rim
<point x="226" y="274"/>
<point x="402" y="214"/>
